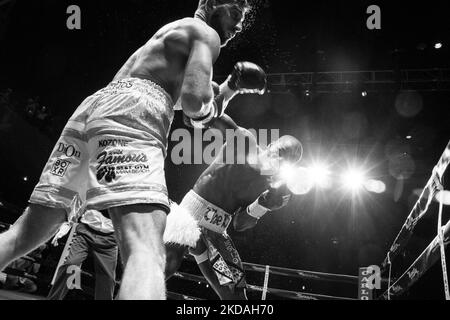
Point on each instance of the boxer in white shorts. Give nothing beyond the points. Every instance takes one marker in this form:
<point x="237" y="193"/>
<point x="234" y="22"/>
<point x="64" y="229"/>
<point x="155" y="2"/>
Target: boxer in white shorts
<point x="110" y="155"/>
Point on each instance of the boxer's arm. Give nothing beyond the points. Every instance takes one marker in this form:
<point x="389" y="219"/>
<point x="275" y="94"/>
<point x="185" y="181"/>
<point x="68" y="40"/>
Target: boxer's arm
<point x="196" y="91"/>
<point x="242" y="221"/>
<point x="271" y="200"/>
<point x="223" y="124"/>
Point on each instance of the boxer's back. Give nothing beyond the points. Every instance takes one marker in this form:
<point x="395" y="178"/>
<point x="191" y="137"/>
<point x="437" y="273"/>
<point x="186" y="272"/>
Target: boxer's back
<point x="163" y="58"/>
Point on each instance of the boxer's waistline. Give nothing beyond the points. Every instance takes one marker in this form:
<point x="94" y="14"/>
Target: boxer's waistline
<point x="145" y="86"/>
<point x="208" y="215"/>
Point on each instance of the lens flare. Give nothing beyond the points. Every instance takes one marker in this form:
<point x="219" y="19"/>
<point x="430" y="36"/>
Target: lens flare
<point x="300" y="182"/>
<point x="353" y="180"/>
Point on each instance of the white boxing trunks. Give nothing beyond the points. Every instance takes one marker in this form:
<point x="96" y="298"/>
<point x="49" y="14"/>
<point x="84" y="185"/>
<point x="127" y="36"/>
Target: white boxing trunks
<point x="111" y="152"/>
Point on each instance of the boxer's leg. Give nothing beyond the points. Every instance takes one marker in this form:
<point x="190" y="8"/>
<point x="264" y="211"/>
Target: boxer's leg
<point x="139" y="229"/>
<point x="35" y="227"/>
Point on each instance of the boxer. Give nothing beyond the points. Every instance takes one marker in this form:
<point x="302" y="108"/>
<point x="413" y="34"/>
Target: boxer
<point x="111" y="153"/>
<point x="225" y="195"/>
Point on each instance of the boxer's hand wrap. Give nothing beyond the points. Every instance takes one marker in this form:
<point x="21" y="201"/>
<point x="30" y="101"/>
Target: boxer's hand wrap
<point x="213" y="110"/>
<point x="256" y="210"/>
<point x="248" y="77"/>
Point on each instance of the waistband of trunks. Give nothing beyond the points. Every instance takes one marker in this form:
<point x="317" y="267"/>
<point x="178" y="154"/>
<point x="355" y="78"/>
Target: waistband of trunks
<point x="197" y="206"/>
<point x="145" y="86"/>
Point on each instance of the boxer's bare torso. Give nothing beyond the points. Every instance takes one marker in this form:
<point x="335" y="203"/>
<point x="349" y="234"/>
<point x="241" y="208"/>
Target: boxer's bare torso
<point x="163" y="58"/>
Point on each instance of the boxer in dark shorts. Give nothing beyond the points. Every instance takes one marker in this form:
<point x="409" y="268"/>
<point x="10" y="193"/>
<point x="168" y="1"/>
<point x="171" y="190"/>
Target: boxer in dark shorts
<point x="228" y="194"/>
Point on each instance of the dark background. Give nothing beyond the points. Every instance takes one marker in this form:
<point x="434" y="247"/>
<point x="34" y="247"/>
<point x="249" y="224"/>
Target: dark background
<point x="326" y="231"/>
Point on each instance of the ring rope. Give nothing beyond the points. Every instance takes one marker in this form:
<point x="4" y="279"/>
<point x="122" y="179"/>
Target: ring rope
<point x="415" y="271"/>
<point x="417" y="212"/>
<point x="302" y="274"/>
<point x="279" y="292"/>
<point x="442" y="246"/>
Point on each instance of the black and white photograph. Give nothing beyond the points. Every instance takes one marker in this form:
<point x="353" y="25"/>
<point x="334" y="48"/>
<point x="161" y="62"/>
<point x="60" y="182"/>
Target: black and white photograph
<point x="245" y="152"/>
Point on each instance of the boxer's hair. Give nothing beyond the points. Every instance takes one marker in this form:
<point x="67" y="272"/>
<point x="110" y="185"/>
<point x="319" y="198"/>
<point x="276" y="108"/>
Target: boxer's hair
<point x="202" y="6"/>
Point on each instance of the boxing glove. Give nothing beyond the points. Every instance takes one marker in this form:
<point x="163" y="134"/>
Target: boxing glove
<point x="270" y="200"/>
<point x="248" y="77"/>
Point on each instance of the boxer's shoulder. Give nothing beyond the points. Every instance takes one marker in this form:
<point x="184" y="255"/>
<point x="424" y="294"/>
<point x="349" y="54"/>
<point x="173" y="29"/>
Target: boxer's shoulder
<point x="199" y="30"/>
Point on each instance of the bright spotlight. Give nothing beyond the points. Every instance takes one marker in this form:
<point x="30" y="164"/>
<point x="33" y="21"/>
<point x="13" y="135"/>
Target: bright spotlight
<point x="320" y="175"/>
<point x="353" y="179"/>
<point x="286" y="172"/>
<point x="364" y="93"/>
<point x="300" y="181"/>
<point x="438" y="45"/>
<point x="375" y="186"/>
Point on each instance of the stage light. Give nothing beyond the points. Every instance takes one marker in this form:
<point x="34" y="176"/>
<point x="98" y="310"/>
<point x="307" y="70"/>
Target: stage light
<point x="364" y="93"/>
<point x="408" y="137"/>
<point x="286" y="172"/>
<point x="320" y="175"/>
<point x="1" y="204"/>
<point x="375" y="186"/>
<point x="438" y="45"/>
<point x="300" y="182"/>
<point x="353" y="179"/>
<point x="25" y="179"/>
<point x="443" y="196"/>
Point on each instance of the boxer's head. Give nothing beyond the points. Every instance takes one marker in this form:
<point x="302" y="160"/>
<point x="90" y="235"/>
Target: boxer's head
<point x="287" y="149"/>
<point x="224" y="16"/>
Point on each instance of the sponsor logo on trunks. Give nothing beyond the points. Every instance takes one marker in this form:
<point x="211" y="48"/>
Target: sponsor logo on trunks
<point x="233" y="252"/>
<point x="113" y="164"/>
<point x="68" y="150"/>
<point x="120" y="85"/>
<point x="60" y="167"/>
<point x="112" y="143"/>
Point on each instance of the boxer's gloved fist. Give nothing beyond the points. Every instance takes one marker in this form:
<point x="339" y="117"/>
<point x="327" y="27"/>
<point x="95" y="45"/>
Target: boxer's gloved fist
<point x="270" y="200"/>
<point x="248" y="77"/>
<point x="275" y="198"/>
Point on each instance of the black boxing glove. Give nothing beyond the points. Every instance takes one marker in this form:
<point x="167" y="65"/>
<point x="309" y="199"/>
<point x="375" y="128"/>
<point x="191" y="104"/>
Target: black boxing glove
<point x="271" y="200"/>
<point x="248" y="77"/>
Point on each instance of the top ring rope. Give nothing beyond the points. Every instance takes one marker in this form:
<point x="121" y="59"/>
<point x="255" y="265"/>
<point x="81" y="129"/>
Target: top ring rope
<point x="302" y="274"/>
<point x="418" y="212"/>
<point x="311" y="275"/>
